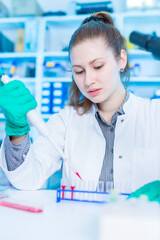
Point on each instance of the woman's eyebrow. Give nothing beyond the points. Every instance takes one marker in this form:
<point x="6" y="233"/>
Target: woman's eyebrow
<point x="76" y="65"/>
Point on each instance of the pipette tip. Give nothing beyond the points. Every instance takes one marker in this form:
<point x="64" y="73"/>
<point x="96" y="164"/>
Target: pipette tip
<point x="79" y="176"/>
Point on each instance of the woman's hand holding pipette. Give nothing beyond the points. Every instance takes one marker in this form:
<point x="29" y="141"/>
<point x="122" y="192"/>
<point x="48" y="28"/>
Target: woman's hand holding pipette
<point x="17" y="104"/>
<point x="15" y="101"/>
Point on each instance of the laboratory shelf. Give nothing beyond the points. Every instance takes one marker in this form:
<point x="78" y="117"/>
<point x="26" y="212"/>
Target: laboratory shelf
<point x="66" y="19"/>
<point x="26" y="79"/>
<point x="14" y="20"/>
<point x="56" y="54"/>
<point x="140" y="14"/>
<point x="18" y="55"/>
<point x="12" y="23"/>
<point x="145" y="79"/>
<point x="57" y="79"/>
<point x="141" y="19"/>
<point x="138" y="52"/>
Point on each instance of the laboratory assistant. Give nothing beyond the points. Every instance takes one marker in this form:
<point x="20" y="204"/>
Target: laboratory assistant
<point x="98" y="59"/>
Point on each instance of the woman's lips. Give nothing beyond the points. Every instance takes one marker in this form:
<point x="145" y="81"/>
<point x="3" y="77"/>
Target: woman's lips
<point x="94" y="92"/>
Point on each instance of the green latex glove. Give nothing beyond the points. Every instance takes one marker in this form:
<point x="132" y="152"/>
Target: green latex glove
<point x="151" y="190"/>
<point x="15" y="101"/>
<point x="1" y="73"/>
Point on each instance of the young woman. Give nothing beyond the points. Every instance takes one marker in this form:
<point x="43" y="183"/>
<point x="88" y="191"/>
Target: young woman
<point x="105" y="132"/>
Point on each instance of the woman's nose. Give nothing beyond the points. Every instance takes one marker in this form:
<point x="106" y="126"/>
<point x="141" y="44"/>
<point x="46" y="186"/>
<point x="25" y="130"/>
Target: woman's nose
<point x="89" y="78"/>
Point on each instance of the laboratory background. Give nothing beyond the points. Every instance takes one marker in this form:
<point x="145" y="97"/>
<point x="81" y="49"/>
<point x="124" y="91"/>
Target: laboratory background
<point x="34" y="37"/>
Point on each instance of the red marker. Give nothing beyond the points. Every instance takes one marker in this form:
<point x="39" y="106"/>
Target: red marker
<point x="20" y="207"/>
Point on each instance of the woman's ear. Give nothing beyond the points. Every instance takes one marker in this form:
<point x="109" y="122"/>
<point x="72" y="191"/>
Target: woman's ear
<point x="123" y="59"/>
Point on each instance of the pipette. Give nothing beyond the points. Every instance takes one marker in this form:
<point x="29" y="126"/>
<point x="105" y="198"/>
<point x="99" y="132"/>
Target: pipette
<point x="40" y="125"/>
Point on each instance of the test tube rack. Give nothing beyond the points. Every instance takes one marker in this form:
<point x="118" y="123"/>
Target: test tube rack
<point x="87" y="196"/>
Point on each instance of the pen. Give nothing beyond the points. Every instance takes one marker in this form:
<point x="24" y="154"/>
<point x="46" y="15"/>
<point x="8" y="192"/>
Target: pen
<point x="20" y="207"/>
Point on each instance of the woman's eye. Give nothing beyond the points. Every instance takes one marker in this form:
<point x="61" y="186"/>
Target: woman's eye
<point x="78" y="72"/>
<point x="98" y="67"/>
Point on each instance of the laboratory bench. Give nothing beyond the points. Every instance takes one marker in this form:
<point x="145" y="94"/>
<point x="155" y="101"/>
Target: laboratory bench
<point x="71" y="220"/>
<point x="64" y="220"/>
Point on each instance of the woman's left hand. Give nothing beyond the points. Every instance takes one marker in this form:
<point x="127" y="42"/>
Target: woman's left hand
<point x="151" y="190"/>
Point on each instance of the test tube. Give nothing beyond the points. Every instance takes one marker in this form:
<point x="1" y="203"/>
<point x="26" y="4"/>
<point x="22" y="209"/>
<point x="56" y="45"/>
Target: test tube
<point x="92" y="188"/>
<point x="72" y="193"/>
<point x="73" y="186"/>
<point x="82" y="187"/>
<point x="100" y="188"/>
<point x="109" y="186"/>
<point x="63" y="187"/>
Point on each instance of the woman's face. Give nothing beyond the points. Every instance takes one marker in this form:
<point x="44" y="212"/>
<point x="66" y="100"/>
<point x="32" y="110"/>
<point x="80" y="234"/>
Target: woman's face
<point x="95" y="69"/>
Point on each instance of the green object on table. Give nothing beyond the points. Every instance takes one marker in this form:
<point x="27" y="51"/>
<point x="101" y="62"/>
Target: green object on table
<point x="15" y="101"/>
<point x="151" y="190"/>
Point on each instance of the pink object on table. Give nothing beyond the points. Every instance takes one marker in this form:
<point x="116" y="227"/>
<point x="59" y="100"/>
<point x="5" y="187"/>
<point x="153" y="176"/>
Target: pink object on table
<point x="20" y="207"/>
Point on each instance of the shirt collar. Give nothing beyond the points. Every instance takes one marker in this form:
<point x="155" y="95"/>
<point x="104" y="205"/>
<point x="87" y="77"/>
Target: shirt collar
<point x="120" y="109"/>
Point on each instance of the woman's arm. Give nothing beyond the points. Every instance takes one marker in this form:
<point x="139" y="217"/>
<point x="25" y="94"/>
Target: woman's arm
<point x="16" y="150"/>
<point x="17" y="139"/>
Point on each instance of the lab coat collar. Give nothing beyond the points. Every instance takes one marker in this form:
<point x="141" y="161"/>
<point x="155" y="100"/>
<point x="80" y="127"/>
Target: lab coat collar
<point x="130" y="106"/>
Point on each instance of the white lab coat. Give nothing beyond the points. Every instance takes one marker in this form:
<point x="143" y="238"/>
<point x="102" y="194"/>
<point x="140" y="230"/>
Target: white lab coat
<point x="136" y="148"/>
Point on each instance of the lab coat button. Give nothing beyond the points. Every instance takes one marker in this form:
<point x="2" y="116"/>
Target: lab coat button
<point x="120" y="156"/>
<point x="112" y="129"/>
<point x="122" y="120"/>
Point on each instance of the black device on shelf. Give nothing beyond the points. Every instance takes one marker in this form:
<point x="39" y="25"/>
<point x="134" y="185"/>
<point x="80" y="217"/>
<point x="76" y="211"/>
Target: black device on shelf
<point x="150" y="43"/>
<point x="51" y="13"/>
<point x="92" y="7"/>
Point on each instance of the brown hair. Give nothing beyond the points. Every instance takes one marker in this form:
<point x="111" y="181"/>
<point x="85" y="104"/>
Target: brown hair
<point x="97" y="25"/>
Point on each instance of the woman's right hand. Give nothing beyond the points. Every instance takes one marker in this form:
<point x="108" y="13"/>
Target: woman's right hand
<point x="15" y="101"/>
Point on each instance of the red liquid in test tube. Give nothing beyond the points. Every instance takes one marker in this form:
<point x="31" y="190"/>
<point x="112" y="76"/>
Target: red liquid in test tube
<point x="72" y="188"/>
<point x="63" y="187"/>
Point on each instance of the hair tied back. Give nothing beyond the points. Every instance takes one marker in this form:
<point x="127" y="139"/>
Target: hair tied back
<point x="100" y="17"/>
<point x="92" y="18"/>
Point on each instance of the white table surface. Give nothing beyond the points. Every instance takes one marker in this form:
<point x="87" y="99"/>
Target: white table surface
<point x="58" y="221"/>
